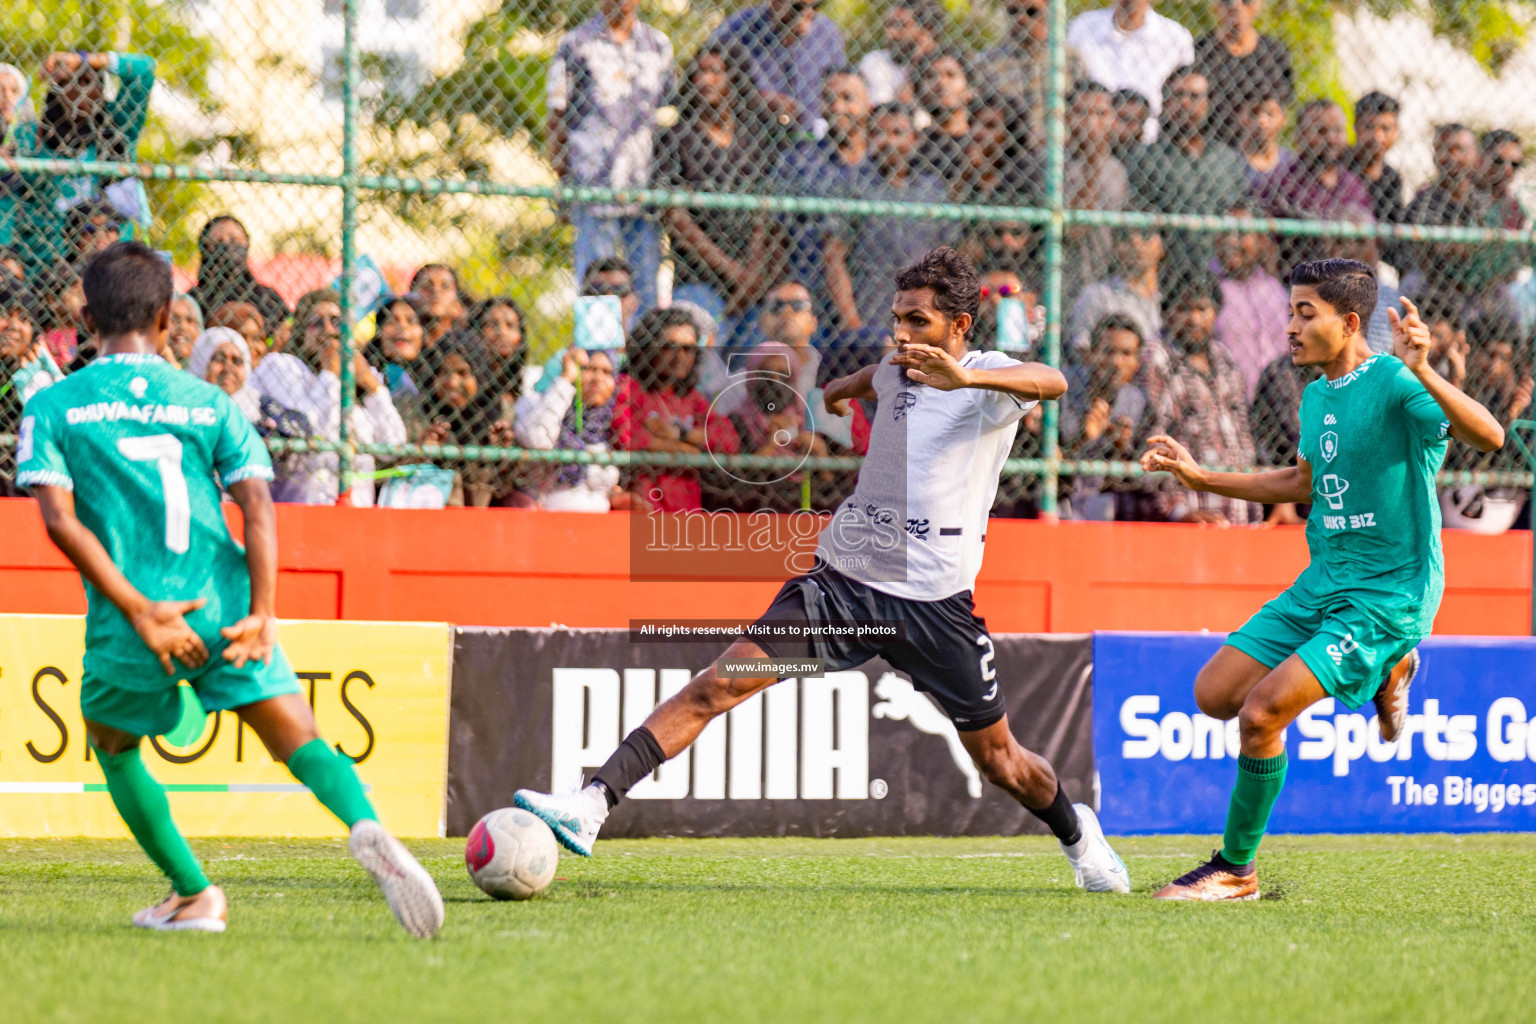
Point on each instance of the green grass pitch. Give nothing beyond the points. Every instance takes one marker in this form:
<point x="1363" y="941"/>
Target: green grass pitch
<point x="1356" y="929"/>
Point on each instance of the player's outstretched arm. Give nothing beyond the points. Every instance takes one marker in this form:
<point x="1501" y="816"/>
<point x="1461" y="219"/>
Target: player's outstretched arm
<point x="838" y="393"/>
<point x="1471" y="422"/>
<point x="1277" y="486"/>
<point x="1029" y="382"/>
<point x="160" y="624"/>
<point x="253" y="637"/>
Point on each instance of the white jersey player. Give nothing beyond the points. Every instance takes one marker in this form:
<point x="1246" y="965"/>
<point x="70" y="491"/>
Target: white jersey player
<point x="904" y="549"/>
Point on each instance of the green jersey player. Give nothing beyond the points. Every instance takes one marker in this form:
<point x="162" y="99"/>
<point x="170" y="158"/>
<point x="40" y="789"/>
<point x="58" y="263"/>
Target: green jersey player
<point x="127" y="458"/>
<point x="1373" y="434"/>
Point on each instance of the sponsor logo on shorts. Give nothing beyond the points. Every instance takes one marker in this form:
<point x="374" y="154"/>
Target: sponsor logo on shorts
<point x="1345" y="647"/>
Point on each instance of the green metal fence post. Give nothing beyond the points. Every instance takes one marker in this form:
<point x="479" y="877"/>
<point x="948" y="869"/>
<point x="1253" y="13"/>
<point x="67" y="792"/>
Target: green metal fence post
<point x="351" y="76"/>
<point x="1055" y="146"/>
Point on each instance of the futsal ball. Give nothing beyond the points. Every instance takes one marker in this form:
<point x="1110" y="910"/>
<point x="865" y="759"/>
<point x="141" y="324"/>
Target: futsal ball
<point x="511" y="854"/>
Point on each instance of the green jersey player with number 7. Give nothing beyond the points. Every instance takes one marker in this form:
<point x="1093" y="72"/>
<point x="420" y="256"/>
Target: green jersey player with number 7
<point x="126" y="459"/>
<point x="1373" y="435"/>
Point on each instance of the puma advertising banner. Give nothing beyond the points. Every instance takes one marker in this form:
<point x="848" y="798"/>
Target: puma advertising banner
<point x="853" y="753"/>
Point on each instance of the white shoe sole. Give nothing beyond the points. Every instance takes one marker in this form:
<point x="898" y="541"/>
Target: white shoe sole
<point x="193" y="924"/>
<point x="562" y="832"/>
<point x="408" y="889"/>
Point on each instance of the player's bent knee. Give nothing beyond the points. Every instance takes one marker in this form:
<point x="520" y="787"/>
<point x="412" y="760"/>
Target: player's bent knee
<point x="1213" y="697"/>
<point x="109" y="740"/>
<point x="1220" y="688"/>
<point x="1258" y="719"/>
<point x="717" y="694"/>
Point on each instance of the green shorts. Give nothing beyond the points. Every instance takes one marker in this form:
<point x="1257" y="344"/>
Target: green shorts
<point x="1347" y="649"/>
<point x="145" y="711"/>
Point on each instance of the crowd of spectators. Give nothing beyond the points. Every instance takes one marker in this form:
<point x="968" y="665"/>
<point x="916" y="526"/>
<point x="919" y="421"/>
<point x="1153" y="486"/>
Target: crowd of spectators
<point x="1164" y="330"/>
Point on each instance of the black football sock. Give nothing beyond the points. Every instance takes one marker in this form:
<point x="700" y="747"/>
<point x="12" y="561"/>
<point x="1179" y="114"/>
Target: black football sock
<point x="638" y="756"/>
<point x="1060" y="818"/>
<point x="1241" y="870"/>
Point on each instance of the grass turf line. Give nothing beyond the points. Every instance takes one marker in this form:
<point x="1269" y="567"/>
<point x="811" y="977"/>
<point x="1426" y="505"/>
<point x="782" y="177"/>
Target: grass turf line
<point x="1365" y="928"/>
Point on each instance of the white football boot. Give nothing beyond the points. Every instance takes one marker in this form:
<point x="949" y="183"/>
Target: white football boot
<point x="408" y="889"/>
<point x="208" y="911"/>
<point x="574" y="818"/>
<point x="1097" y="866"/>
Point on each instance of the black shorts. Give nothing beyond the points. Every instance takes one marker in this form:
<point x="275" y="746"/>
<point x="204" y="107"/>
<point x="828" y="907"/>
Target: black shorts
<point x="946" y="649"/>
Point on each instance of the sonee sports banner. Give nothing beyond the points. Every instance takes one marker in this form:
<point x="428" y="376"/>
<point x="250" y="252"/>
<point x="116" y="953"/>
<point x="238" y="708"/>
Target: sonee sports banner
<point x="854" y="753"/>
<point x="1466" y="762"/>
<point x="379" y="692"/>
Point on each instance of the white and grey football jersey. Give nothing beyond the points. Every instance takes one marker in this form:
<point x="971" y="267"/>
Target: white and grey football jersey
<point x="917" y="518"/>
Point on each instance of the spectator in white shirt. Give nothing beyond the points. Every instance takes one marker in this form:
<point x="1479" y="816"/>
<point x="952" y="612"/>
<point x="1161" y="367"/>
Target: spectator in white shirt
<point x="606" y="86"/>
<point x="1131" y="46"/>
<point x="553" y="418"/>
<point x="310" y="383"/>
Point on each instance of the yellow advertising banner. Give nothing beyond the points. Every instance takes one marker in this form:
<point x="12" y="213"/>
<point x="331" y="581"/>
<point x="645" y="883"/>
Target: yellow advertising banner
<point x="380" y="695"/>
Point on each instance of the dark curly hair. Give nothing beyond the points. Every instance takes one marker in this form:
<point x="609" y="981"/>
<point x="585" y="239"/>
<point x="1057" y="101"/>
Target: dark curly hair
<point x="956" y="289"/>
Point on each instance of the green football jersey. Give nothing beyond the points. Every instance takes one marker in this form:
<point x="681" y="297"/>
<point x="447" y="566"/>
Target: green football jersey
<point x="1375" y="439"/>
<point x="145" y="448"/>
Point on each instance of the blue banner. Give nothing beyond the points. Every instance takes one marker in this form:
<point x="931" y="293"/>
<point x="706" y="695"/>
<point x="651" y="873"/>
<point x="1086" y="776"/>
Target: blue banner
<point x="1466" y="763"/>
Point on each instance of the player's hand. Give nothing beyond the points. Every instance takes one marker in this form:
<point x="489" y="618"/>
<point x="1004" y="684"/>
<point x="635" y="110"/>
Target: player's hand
<point x="1411" y="340"/>
<point x="832" y="400"/>
<point x="1165" y="455"/>
<point x="932" y="366"/>
<point x="250" y="639"/>
<point x="165" y="632"/>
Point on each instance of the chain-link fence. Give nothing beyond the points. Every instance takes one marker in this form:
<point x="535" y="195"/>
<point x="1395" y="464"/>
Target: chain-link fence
<point x="599" y="256"/>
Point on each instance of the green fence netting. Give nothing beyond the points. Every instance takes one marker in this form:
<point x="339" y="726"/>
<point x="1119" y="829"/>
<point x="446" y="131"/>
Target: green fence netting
<point x="603" y="255"/>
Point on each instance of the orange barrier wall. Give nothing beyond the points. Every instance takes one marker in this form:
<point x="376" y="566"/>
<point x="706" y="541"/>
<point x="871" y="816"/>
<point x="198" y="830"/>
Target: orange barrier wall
<point x="498" y="567"/>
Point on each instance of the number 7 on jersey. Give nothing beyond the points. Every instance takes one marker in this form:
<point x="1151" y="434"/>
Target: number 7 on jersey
<point x="165" y="452"/>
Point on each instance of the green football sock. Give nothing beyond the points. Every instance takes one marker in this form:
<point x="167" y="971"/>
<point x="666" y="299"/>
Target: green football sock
<point x="1259" y="781"/>
<point x="142" y="803"/>
<point x="333" y="780"/>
